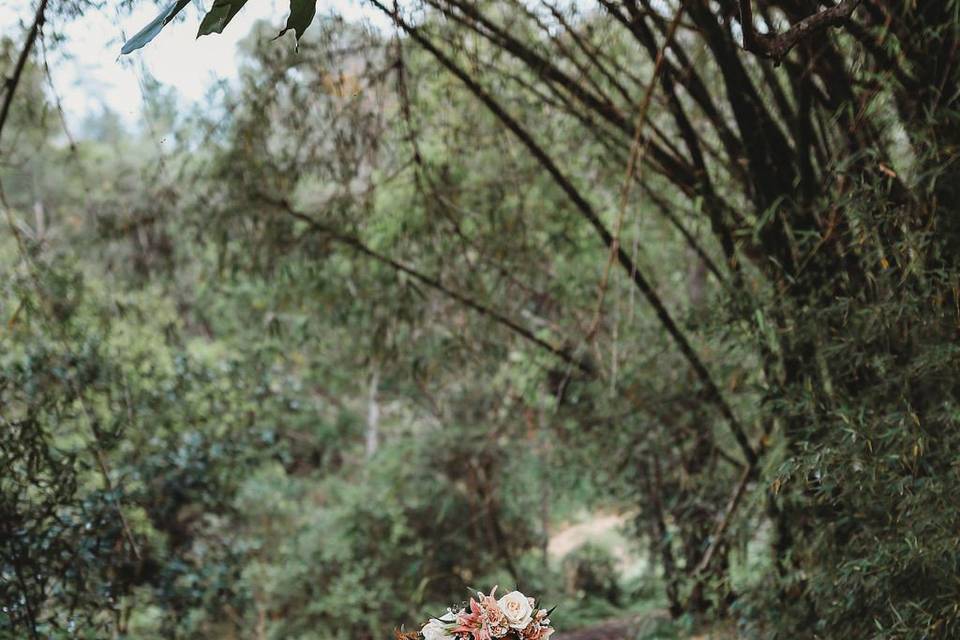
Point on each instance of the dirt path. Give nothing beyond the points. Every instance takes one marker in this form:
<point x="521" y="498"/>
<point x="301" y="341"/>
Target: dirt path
<point x="624" y="629"/>
<point x="604" y="528"/>
<point x="572" y="536"/>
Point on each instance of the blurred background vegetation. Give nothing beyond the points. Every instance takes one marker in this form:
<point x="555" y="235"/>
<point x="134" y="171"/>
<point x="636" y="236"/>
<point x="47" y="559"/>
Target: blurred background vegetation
<point x="313" y="360"/>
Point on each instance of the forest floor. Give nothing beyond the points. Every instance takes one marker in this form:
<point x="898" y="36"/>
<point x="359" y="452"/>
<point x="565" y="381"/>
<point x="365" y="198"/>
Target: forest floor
<point x="622" y="629"/>
<point x="638" y="628"/>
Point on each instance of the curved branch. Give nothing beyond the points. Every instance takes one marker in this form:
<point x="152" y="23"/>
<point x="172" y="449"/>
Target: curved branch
<point x="777" y="46"/>
<point x="713" y="392"/>
<point x="434" y="283"/>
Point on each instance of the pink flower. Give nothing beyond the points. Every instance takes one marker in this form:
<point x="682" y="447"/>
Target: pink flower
<point x="472" y="623"/>
<point x="485" y="621"/>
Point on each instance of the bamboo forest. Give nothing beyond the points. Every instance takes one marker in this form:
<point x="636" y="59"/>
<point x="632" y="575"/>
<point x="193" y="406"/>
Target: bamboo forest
<point x="480" y="319"/>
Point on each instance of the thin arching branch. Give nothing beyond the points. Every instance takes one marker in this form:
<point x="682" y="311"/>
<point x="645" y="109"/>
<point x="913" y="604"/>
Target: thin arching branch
<point x="359" y="246"/>
<point x="587" y="211"/>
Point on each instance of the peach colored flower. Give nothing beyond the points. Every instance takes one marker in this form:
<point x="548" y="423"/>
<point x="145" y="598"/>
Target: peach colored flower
<point x="485" y="621"/>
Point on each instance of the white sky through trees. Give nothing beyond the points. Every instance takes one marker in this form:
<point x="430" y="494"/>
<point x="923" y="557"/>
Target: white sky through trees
<point x="89" y="75"/>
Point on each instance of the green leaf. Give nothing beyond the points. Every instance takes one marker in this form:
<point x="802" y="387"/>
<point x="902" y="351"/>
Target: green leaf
<point x="150" y="31"/>
<point x="301" y="15"/>
<point x="219" y="16"/>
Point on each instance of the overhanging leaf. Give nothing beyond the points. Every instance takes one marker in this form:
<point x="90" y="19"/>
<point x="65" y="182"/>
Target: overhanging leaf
<point x="150" y="31"/>
<point x="220" y="14"/>
<point x="301" y="15"/>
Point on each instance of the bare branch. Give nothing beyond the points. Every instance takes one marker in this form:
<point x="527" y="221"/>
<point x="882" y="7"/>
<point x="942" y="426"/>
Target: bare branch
<point x="12" y="82"/>
<point x="777" y="46"/>
<point x="717" y="535"/>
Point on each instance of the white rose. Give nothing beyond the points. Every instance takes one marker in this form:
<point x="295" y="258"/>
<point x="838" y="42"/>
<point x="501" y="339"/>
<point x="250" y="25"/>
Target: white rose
<point x="517" y="609"/>
<point x="439" y="629"/>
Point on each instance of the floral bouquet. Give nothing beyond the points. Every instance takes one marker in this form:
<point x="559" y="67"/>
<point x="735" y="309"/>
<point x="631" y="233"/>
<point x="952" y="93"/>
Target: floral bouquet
<point x="512" y="617"/>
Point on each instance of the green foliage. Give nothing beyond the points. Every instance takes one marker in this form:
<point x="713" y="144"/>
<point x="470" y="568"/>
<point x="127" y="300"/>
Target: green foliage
<point x="592" y="570"/>
<point x="96" y="504"/>
<point x="868" y="488"/>
<point x="301" y="15"/>
<point x="217" y="19"/>
<point x="219" y="16"/>
<point x="410" y="525"/>
<point x="143" y="37"/>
